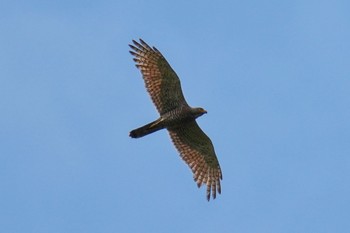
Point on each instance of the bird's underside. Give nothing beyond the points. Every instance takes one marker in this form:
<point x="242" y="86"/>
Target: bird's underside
<point x="164" y="87"/>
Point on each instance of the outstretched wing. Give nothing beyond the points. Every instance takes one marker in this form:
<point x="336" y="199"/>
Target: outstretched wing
<point x="197" y="150"/>
<point x="161" y="81"/>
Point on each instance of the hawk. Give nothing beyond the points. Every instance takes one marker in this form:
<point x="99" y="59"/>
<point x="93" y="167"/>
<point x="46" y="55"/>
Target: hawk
<point x="194" y="146"/>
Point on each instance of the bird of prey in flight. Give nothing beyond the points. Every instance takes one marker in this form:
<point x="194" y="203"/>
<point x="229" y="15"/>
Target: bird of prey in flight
<point x="194" y="146"/>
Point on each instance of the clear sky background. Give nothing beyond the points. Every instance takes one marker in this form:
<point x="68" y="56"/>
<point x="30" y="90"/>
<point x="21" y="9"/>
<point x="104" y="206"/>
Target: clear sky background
<point x="274" y="77"/>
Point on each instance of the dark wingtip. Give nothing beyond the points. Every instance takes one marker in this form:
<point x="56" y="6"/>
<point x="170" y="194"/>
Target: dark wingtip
<point x="155" y="49"/>
<point x="132" y="47"/>
<point x="137" y="44"/>
<point x="133" y="53"/>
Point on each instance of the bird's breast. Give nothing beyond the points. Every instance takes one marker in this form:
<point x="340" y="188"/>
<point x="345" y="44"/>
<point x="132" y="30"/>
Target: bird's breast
<point x="177" y="116"/>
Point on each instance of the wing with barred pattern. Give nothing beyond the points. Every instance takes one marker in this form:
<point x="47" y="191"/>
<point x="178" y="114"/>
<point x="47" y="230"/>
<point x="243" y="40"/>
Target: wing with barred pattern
<point x="162" y="83"/>
<point x="197" y="150"/>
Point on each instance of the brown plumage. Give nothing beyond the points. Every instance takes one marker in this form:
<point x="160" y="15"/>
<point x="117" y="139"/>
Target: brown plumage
<point x="164" y="87"/>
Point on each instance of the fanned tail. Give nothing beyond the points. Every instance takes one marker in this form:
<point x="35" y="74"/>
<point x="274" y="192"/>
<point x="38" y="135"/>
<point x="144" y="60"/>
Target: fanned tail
<point x="147" y="129"/>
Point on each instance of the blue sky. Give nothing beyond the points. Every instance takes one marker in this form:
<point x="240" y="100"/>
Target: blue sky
<point x="274" y="77"/>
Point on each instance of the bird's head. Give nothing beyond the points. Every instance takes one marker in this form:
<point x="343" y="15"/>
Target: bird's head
<point x="197" y="112"/>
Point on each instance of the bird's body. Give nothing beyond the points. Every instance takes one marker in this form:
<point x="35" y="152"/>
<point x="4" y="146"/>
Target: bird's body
<point x="169" y="120"/>
<point x="163" y="85"/>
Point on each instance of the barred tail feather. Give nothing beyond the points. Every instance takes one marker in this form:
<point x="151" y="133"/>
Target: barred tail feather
<point x="146" y="129"/>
